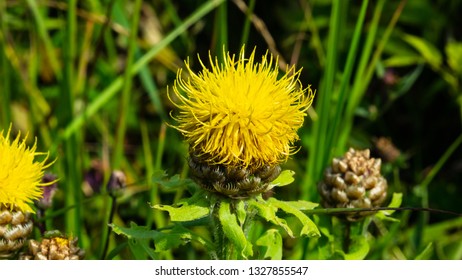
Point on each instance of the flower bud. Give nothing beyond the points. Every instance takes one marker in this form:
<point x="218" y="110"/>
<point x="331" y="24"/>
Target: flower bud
<point x="353" y="181"/>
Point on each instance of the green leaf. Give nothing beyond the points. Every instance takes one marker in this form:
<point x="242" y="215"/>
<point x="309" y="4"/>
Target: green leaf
<point x="271" y="240"/>
<point x="454" y="56"/>
<point x="134" y="231"/>
<point x="169" y="240"/>
<point x="428" y="51"/>
<point x="184" y="212"/>
<point x="187" y="235"/>
<point x="158" y="176"/>
<point x="450" y="78"/>
<point x="309" y="228"/>
<point x="359" y="248"/>
<point x="268" y="212"/>
<point x="190" y="209"/>
<point x="163" y="241"/>
<point x="426" y="253"/>
<point x="241" y="212"/>
<point x="395" y="202"/>
<point x="286" y="177"/>
<point x="140" y="249"/>
<point x="161" y="177"/>
<point x="302" y="204"/>
<point x="233" y="231"/>
<point x="116" y="251"/>
<point x="403" y="60"/>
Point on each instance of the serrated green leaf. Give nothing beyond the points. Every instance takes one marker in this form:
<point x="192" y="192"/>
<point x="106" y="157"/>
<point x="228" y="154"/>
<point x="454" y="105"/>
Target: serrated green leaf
<point x="184" y="212"/>
<point x="171" y="240"/>
<point x="428" y="51"/>
<point x="268" y="212"/>
<point x="286" y="177"/>
<point x="233" y="231"/>
<point x="177" y="236"/>
<point x="271" y="240"/>
<point x="163" y="241"/>
<point x="140" y="249"/>
<point x="136" y="249"/>
<point x="193" y="208"/>
<point x="309" y="228"/>
<point x="134" y="231"/>
<point x="161" y="177"/>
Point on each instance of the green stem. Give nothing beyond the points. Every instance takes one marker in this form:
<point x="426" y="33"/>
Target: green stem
<point x="217" y="229"/>
<point x="221" y="31"/>
<point x="108" y="229"/>
<point x="347" y="237"/>
<point x="247" y="22"/>
<point x="439" y="164"/>
<point x="65" y="116"/>
<point x="334" y="211"/>
<point x="424" y="217"/>
<point x="154" y="217"/>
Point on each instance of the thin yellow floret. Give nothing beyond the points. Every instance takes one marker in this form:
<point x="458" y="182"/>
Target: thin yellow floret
<point x="241" y="113"/>
<point x="20" y="175"/>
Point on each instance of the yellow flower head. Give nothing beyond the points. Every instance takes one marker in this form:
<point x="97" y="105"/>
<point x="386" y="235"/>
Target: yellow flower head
<point x="20" y="176"/>
<point x="240" y="113"/>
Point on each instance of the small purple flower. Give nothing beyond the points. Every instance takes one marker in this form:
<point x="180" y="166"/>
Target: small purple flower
<point x="94" y="177"/>
<point x="49" y="189"/>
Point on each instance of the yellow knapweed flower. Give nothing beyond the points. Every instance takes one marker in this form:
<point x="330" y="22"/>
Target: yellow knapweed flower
<point x="240" y="113"/>
<point x="20" y="175"/>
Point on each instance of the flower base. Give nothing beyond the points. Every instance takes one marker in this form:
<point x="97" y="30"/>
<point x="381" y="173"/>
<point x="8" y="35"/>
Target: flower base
<point x="234" y="182"/>
<point x="15" y="227"/>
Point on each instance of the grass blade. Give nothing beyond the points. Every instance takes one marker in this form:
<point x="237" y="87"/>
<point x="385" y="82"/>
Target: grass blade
<point x="5" y="116"/>
<point x="51" y="53"/>
<point x="342" y="95"/>
<point x="125" y="98"/>
<point x="317" y="144"/>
